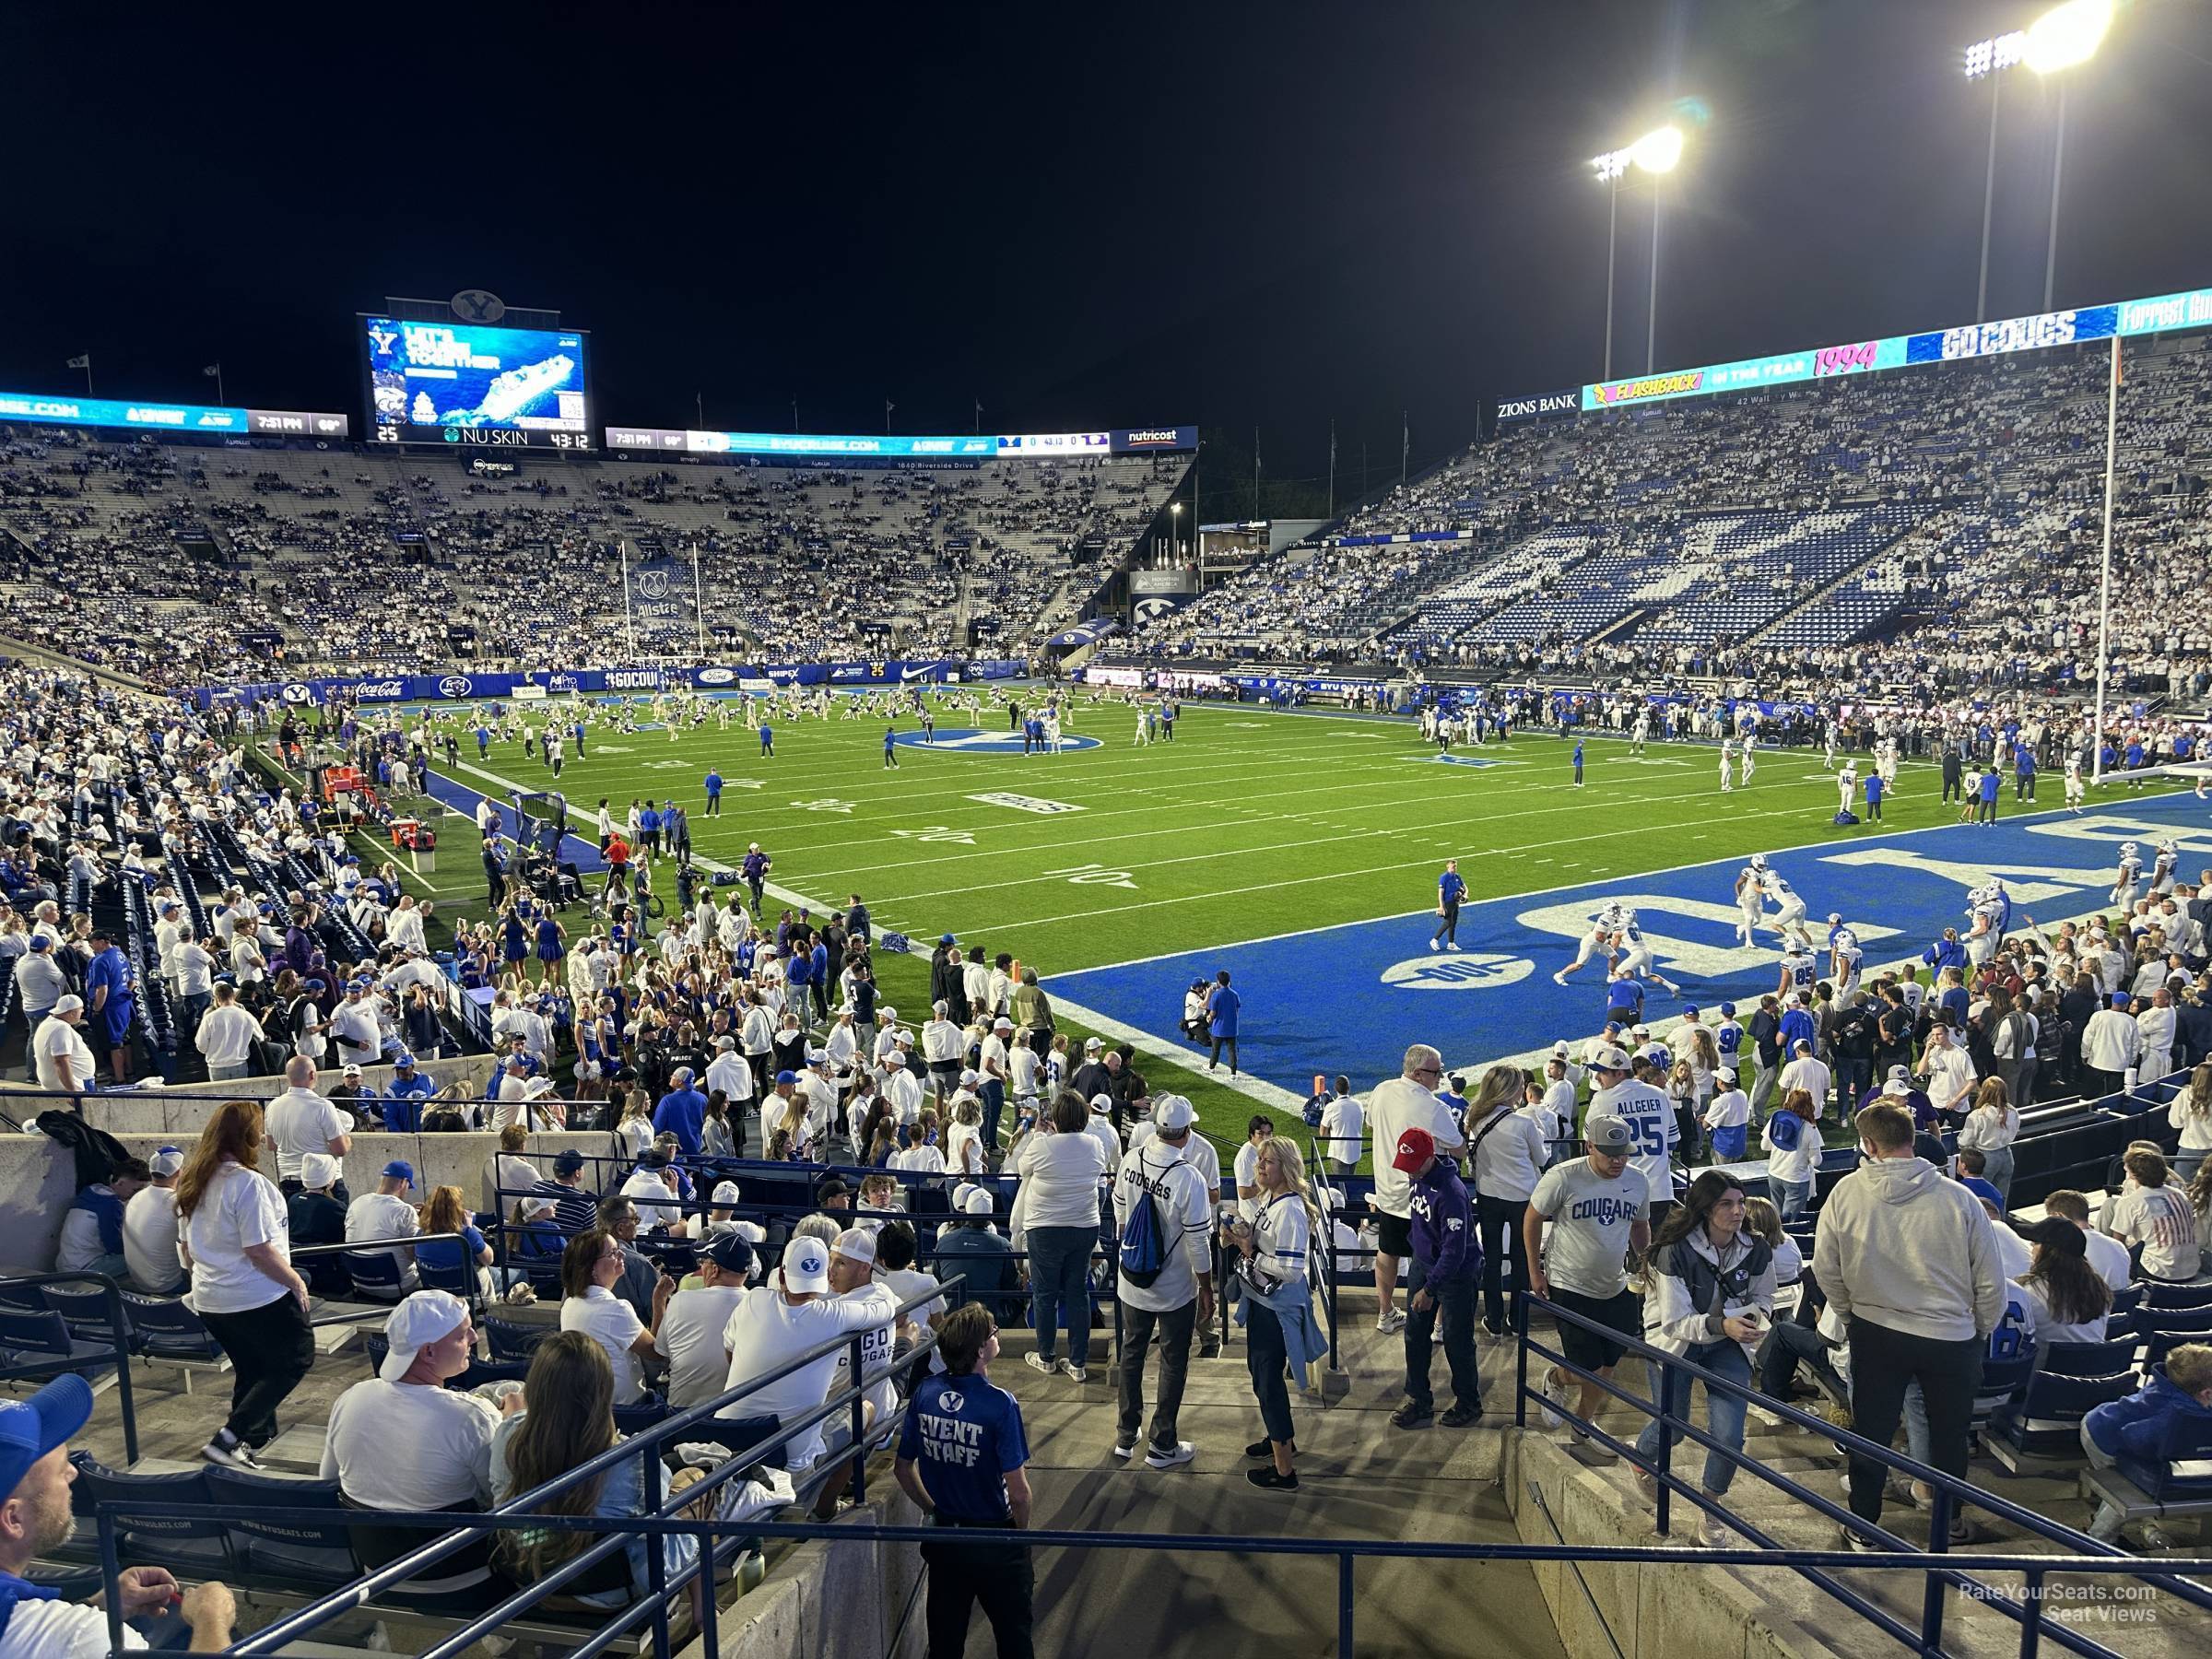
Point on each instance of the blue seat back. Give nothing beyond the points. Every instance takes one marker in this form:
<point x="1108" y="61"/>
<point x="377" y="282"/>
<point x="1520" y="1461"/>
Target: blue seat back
<point x="2178" y="1298"/>
<point x="2046" y="1419"/>
<point x="2151" y="1321"/>
<point x="2127" y="1299"/>
<point x="374" y="1273"/>
<point x="461" y="1280"/>
<point x="318" y="1551"/>
<point x="167" y="1329"/>
<point x="633" y="1419"/>
<point x="2090" y="1359"/>
<point x="174" y="1540"/>
<point x="84" y="1312"/>
<point x="34" y="1334"/>
<point x="511" y="1340"/>
<point x="2001" y="1380"/>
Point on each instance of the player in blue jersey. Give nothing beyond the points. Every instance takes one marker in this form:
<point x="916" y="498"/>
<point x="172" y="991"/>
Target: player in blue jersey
<point x="1450" y="890"/>
<point x="890" y="748"/>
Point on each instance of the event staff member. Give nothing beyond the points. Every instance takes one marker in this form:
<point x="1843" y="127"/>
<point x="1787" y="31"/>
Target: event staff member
<point x="1451" y="893"/>
<point x="960" y="1457"/>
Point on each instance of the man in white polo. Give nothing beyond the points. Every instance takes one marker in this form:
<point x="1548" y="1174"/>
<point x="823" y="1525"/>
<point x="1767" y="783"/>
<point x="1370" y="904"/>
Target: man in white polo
<point x="64" y="1059"/>
<point x="299" y="1121"/>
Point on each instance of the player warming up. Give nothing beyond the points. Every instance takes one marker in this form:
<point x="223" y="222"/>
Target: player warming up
<point x="1636" y="956"/>
<point x="2129" y="874"/>
<point x="1727" y="764"/>
<point x="1789" y="908"/>
<point x="1597" y="943"/>
<point x="1750" y="904"/>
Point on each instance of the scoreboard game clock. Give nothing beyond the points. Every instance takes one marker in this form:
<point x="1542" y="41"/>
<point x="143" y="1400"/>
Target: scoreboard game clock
<point x="468" y="384"/>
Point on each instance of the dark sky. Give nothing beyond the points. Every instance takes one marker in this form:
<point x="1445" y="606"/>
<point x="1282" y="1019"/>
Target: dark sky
<point x="1238" y="215"/>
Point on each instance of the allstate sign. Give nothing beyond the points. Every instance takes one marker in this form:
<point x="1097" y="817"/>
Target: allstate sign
<point x="456" y="685"/>
<point x="1469" y="970"/>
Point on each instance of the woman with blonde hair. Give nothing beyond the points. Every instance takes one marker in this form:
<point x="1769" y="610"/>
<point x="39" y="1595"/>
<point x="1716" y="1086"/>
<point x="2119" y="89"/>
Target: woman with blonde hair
<point x="634" y="1127"/>
<point x="1276" y="1308"/>
<point x="1508" y="1149"/>
<point x="236" y="1238"/>
<point x="2191" y="1112"/>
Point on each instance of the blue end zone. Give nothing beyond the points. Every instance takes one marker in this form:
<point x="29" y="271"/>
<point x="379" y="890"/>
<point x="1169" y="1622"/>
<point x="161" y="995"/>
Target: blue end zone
<point x="1351" y="999"/>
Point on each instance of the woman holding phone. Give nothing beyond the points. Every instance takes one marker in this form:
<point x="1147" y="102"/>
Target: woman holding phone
<point x="1711" y="1299"/>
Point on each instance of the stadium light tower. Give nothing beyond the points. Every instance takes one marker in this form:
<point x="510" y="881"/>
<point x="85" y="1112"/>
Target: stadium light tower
<point x="2062" y="38"/>
<point x="1658" y="151"/>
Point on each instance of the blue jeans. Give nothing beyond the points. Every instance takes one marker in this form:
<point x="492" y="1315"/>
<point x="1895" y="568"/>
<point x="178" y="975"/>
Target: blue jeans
<point x="1060" y="1287"/>
<point x="994" y="1098"/>
<point x="1790" y="1198"/>
<point x="1723" y="1413"/>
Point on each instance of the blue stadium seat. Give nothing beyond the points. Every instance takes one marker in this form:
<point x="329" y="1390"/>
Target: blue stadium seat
<point x="317" y="1553"/>
<point x="186" y="1545"/>
<point x="514" y="1341"/>
<point x="375" y="1275"/>
<point x="2044" y="1424"/>
<point x="2089" y="1359"/>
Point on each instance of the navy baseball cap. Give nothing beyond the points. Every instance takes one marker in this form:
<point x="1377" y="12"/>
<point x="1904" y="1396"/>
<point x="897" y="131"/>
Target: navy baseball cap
<point x="1727" y="1010"/>
<point x="732" y="1253"/>
<point x="32" y="1427"/>
<point x="567" y="1163"/>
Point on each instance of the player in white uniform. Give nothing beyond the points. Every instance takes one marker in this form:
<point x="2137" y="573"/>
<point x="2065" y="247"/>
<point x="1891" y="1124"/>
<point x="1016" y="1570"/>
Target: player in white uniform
<point x="1727" y="764"/>
<point x="2076" y="790"/>
<point x="2161" y="867"/>
<point x="1789" y="919"/>
<point x="1144" y="725"/>
<point x="1828" y="746"/>
<point x="1636" y="961"/>
<point x="1886" y="764"/>
<point x="1800" y="967"/>
<point x="1982" y="935"/>
<point x="1750" y="903"/>
<point x="1597" y="942"/>
<point x="1847" y="786"/>
<point x="1640" y="731"/>
<point x="1052" y="730"/>
<point x="1844" y="956"/>
<point x="2130" y="873"/>
<point x="1750" y="765"/>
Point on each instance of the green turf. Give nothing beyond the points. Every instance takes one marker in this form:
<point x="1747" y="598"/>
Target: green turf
<point x="1250" y="824"/>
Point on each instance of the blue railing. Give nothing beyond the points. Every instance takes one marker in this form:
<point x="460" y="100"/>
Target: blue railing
<point x="1951" y="1495"/>
<point x="456" y="1531"/>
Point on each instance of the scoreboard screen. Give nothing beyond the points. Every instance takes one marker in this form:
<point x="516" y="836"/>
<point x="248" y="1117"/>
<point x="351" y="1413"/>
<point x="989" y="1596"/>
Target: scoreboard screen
<point x="465" y="383"/>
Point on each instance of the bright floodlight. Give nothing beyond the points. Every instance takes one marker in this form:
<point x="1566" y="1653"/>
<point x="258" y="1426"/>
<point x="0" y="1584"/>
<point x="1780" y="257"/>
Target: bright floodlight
<point x="2068" y="35"/>
<point x="1657" y="152"/>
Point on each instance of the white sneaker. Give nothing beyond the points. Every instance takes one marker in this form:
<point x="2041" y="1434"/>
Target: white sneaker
<point x="1435" y="945"/>
<point x="1759" y="1414"/>
<point x="1038" y="1362"/>
<point x="1558" y="1401"/>
<point x="1559" y="979"/>
<point x="1451" y="945"/>
<point x="1389" y="1320"/>
<point x="1181" y="1452"/>
<point x="1074" y="1373"/>
<point x="1711" y="1534"/>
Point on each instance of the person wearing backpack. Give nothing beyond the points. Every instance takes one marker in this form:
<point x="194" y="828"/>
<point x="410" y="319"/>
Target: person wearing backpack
<point x="1164" y="1262"/>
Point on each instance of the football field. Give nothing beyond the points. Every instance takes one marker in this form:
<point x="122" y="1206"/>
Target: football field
<point x="1302" y="851"/>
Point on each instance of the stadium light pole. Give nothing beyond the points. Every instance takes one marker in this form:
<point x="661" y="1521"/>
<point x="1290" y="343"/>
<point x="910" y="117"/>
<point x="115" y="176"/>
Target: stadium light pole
<point x="2062" y="38"/>
<point x="1658" y="151"/>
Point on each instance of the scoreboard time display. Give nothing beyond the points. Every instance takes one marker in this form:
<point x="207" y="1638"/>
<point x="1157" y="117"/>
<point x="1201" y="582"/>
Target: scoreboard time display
<point x="462" y="384"/>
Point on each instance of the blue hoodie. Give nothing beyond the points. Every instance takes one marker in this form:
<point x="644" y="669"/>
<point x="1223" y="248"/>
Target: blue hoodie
<point x="2138" y="1427"/>
<point x="1444" y="1225"/>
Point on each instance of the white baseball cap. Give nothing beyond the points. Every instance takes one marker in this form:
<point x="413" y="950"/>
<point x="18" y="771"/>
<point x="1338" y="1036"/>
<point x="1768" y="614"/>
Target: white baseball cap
<point x="856" y="1244"/>
<point x="318" y="1169"/>
<point x="726" y="1192"/>
<point x="424" y="1317"/>
<point x="807" y="1266"/>
<point x="1171" y="1112"/>
<point x="978" y="1202"/>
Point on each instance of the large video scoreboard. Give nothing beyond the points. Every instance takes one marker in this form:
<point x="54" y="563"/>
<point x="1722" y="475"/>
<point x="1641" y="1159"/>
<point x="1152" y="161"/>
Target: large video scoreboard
<point x="470" y="385"/>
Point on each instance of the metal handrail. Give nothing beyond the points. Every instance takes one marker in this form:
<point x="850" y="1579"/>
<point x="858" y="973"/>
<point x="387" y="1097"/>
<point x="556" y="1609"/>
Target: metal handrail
<point x="457" y="1529"/>
<point x="1950" y="1491"/>
<point x="117" y="1321"/>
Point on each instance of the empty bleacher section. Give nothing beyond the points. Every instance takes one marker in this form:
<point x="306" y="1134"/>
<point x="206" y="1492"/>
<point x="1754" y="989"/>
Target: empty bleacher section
<point x="201" y="565"/>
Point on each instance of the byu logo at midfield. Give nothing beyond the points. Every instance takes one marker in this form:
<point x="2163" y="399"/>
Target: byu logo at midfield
<point x="966" y="740"/>
<point x="1474" y="971"/>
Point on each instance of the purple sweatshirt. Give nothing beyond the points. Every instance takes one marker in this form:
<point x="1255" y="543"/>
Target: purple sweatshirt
<point x="1444" y="1225"/>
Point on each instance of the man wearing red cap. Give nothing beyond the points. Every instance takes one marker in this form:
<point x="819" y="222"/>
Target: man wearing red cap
<point x="1447" y="1261"/>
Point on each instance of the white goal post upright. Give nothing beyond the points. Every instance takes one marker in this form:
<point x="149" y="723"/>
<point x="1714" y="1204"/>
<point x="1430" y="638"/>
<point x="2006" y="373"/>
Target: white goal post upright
<point x="2104" y="597"/>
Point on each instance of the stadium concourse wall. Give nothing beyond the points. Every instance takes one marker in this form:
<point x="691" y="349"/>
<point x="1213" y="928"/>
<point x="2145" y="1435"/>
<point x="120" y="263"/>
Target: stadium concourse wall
<point x="457" y="687"/>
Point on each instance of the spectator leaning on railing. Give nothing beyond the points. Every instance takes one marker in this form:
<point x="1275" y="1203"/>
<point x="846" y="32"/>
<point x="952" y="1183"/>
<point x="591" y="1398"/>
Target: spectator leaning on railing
<point x="1909" y="1262"/>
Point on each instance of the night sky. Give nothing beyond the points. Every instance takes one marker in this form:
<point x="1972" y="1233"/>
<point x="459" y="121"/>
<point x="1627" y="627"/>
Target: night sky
<point x="1085" y="217"/>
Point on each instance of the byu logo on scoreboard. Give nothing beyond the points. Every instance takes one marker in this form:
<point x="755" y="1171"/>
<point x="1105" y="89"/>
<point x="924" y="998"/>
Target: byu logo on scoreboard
<point x="478" y="305"/>
<point x="454" y="685"/>
<point x="1474" y="971"/>
<point x="654" y="585"/>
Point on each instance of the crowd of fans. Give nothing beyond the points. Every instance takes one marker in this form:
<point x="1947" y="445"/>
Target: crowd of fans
<point x="1996" y="468"/>
<point x="198" y="566"/>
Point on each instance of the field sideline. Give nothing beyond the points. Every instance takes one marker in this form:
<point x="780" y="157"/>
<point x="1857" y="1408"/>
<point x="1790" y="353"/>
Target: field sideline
<point x="1253" y="828"/>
